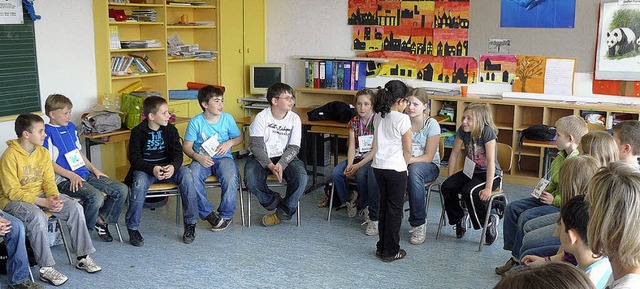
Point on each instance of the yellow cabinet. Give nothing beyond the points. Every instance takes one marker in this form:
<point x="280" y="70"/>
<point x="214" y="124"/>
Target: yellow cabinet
<point x="242" y="42"/>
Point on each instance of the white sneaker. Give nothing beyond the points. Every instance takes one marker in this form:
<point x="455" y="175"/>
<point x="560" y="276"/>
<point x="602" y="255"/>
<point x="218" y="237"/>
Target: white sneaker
<point x="88" y="264"/>
<point x="372" y="228"/>
<point x="52" y="276"/>
<point x="418" y="234"/>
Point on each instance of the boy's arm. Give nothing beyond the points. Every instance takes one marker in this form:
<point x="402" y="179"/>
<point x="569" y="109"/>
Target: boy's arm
<point x="11" y="182"/>
<point x="135" y="153"/>
<point x="256" y="143"/>
<point x="235" y="137"/>
<point x="49" y="186"/>
<point x="292" y="149"/>
<point x="175" y="147"/>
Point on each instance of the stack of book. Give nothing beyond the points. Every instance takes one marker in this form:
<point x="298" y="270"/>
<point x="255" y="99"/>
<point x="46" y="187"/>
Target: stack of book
<point x="347" y="75"/>
<point x="150" y="43"/>
<point x="114" y="38"/>
<point x="147" y="15"/>
<point x="191" y="51"/>
<point x="132" y="64"/>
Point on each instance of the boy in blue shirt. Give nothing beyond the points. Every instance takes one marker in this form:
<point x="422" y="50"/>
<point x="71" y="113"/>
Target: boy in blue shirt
<point x="76" y="176"/>
<point x="155" y="156"/>
<point x="208" y="141"/>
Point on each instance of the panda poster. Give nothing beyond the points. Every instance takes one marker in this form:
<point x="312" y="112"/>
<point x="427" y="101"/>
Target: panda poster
<point x="618" y="52"/>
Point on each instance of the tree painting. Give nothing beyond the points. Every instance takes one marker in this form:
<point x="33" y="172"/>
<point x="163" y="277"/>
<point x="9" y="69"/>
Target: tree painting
<point x="529" y="68"/>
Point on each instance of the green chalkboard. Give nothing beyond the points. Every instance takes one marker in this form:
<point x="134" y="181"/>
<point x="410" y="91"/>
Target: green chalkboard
<point x="19" y="88"/>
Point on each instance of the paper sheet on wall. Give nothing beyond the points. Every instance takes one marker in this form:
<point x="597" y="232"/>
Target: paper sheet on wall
<point x="558" y="76"/>
<point x="11" y="12"/>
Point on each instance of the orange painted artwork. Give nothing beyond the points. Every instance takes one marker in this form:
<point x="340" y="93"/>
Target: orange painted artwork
<point x="529" y="74"/>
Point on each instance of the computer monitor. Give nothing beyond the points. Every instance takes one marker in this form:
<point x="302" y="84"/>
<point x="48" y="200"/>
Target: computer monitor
<point x="261" y="76"/>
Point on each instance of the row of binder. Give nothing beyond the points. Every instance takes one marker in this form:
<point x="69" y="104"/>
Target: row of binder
<point x="347" y="75"/>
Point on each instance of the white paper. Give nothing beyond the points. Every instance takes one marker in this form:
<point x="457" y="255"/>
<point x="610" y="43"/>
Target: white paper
<point x="558" y="76"/>
<point x="11" y="12"/>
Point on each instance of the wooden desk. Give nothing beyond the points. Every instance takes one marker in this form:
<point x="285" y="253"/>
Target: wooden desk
<point x="550" y="151"/>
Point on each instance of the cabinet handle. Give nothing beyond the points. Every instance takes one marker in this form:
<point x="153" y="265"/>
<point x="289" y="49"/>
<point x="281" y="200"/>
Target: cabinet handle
<point x="248" y="50"/>
<point x="240" y="51"/>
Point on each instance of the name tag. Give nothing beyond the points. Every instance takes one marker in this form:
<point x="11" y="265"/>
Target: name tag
<point x="416" y="150"/>
<point x="539" y="188"/>
<point x="365" y="143"/>
<point x="210" y="145"/>
<point x="274" y="150"/>
<point x="74" y="159"/>
<point x="469" y="167"/>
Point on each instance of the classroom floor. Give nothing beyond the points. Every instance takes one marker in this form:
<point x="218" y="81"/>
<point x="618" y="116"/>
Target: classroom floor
<point x="319" y="254"/>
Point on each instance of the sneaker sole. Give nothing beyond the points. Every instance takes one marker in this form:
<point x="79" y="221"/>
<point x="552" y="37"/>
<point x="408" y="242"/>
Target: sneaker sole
<point x="220" y="229"/>
<point x="80" y="268"/>
<point x="51" y="282"/>
<point x="402" y="254"/>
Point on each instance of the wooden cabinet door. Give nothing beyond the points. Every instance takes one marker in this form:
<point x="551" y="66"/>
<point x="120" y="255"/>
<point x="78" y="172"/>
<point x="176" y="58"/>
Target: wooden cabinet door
<point x="232" y="54"/>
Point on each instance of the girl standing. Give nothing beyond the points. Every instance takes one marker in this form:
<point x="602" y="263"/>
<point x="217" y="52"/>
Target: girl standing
<point x="358" y="163"/>
<point x="424" y="164"/>
<point x="391" y="150"/>
<point x="478" y="133"/>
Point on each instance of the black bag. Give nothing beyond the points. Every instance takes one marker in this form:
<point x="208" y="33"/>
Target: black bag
<point x="335" y="110"/>
<point x="537" y="132"/>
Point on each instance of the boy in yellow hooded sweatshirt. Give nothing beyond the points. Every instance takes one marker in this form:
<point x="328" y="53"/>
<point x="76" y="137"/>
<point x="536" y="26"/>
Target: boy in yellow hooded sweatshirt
<point x="28" y="189"/>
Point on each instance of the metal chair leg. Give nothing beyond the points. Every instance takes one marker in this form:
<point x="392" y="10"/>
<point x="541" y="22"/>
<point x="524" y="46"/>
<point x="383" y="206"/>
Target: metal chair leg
<point x="486" y="222"/>
<point x="118" y="230"/>
<point x="241" y="198"/>
<point x="298" y="214"/>
<point x="64" y="239"/>
<point x="330" y="204"/>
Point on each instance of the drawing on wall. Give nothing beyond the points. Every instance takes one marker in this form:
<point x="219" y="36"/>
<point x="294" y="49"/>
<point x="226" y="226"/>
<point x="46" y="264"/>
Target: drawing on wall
<point x="408" y="39"/>
<point x="430" y="68"/>
<point x="367" y="38"/>
<point x="460" y="70"/>
<point x="417" y="14"/>
<point x="529" y="74"/>
<point x="388" y="12"/>
<point x="450" y="42"/>
<point x="538" y="13"/>
<point x="401" y="64"/>
<point x="362" y="12"/>
<point x="499" y="46"/>
<point x="373" y="68"/>
<point x="497" y="68"/>
<point x="618" y="52"/>
<point x="453" y="15"/>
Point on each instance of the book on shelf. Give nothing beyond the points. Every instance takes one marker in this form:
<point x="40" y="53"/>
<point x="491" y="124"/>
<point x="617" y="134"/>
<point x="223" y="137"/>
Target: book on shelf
<point x="145" y="59"/>
<point x="316" y="74"/>
<point x="328" y="74"/>
<point x="306" y="73"/>
<point x="114" y="38"/>
<point x="347" y="75"/>
<point x="334" y="75"/>
<point x="360" y="75"/>
<point x="340" y="75"/>
<point x="323" y="74"/>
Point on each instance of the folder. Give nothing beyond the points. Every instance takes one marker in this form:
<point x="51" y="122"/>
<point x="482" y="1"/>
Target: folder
<point x="361" y="75"/>
<point x="322" y="74"/>
<point x="347" y="75"/>
<point x="340" y="75"/>
<point x="328" y="74"/>
<point x="316" y="74"/>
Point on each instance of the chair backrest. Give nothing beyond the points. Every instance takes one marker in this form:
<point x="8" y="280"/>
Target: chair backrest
<point x="594" y="127"/>
<point x="505" y="156"/>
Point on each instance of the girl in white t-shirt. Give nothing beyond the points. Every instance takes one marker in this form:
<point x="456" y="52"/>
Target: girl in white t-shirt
<point x="614" y="210"/>
<point x="391" y="150"/>
<point x="424" y="164"/>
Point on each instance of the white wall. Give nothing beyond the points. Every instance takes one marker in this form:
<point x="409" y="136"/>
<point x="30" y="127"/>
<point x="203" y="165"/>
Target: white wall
<point x="66" y="56"/>
<point x="319" y="28"/>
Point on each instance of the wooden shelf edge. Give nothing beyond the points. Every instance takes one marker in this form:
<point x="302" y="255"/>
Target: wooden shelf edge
<point x="325" y="91"/>
<point x="306" y="57"/>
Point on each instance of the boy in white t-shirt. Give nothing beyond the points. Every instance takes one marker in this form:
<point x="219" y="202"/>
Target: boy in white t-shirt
<point x="275" y="136"/>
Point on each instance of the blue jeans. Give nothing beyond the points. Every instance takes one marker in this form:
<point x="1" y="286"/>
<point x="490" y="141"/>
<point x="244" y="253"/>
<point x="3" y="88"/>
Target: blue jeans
<point x="365" y="184"/>
<point x="226" y="171"/>
<point x="94" y="202"/>
<point x="540" y="241"/>
<point x="519" y="213"/>
<point x="141" y="183"/>
<point x="419" y="174"/>
<point x="17" y="261"/>
<point x="296" y="176"/>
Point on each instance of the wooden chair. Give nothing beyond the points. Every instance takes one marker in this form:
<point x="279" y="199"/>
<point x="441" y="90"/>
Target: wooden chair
<point x="505" y="159"/>
<point x="164" y="190"/>
<point x="272" y="182"/>
<point x="213" y="182"/>
<point x="58" y="223"/>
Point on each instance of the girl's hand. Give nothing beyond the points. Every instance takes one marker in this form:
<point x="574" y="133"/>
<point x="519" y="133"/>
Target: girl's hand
<point x="546" y="197"/>
<point x="485" y="194"/>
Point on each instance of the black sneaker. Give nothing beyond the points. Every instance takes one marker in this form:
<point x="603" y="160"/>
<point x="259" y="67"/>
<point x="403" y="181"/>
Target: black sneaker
<point x="213" y="219"/>
<point x="189" y="233"/>
<point x="379" y="254"/>
<point x="461" y="227"/>
<point x="401" y="254"/>
<point x="26" y="285"/>
<point x="223" y="224"/>
<point x="135" y="238"/>
<point x="492" y="230"/>
<point x="103" y="232"/>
